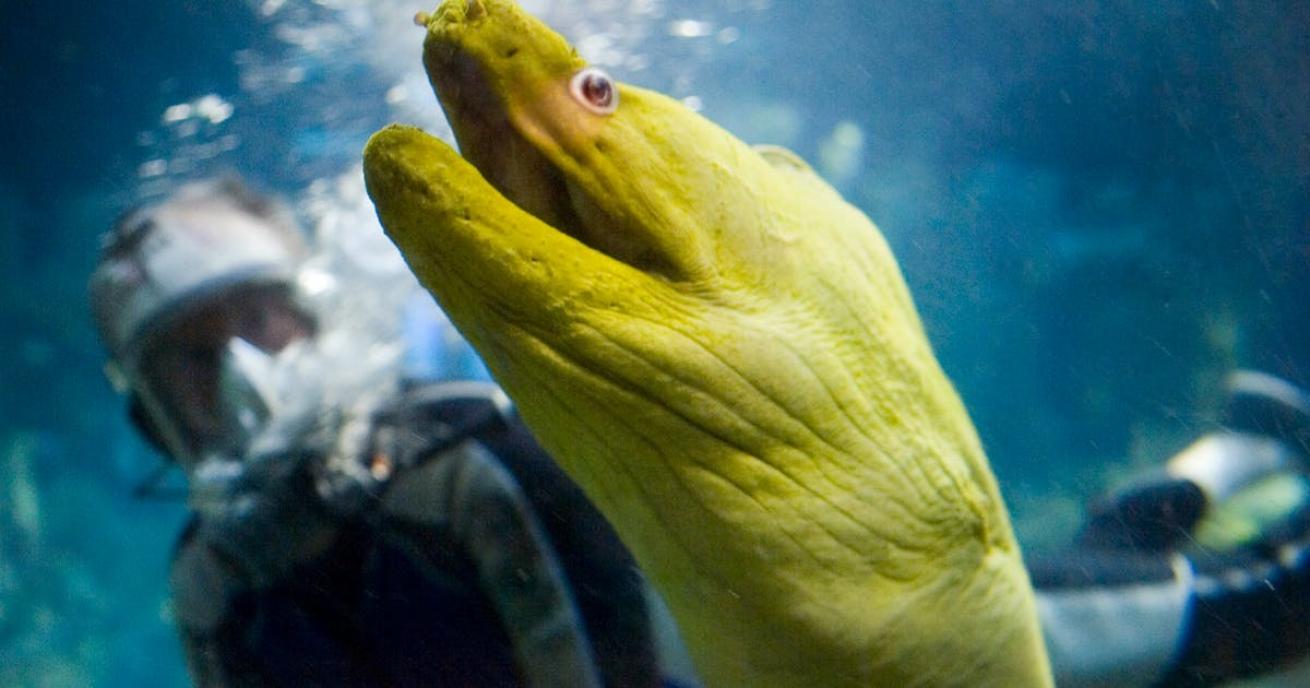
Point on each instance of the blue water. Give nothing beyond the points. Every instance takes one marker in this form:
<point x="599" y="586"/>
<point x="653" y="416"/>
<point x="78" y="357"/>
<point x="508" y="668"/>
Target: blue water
<point x="1101" y="206"/>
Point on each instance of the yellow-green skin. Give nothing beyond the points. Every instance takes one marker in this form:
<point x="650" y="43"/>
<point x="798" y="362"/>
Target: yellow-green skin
<point x="722" y="352"/>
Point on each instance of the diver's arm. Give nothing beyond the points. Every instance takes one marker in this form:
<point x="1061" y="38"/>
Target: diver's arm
<point x="468" y="490"/>
<point x="1124" y="607"/>
<point x="1113" y="618"/>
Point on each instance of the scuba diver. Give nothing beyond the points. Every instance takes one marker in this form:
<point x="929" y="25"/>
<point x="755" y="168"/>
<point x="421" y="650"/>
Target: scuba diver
<point x="350" y="527"/>
<point x="1199" y="575"/>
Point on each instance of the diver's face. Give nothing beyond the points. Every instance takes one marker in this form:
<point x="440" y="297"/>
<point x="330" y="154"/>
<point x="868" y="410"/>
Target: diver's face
<point x="183" y="363"/>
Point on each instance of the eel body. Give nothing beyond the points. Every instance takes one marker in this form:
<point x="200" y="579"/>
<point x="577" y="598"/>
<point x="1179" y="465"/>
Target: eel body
<point x="723" y="353"/>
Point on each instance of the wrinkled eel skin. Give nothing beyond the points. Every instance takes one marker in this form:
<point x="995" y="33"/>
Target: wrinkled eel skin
<point x="723" y="353"/>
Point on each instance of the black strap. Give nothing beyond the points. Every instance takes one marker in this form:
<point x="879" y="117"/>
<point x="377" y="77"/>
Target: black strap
<point x="432" y="419"/>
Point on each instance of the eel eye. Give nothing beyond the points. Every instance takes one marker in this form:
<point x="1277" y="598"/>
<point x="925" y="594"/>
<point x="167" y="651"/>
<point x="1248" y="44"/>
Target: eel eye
<point x="595" y="90"/>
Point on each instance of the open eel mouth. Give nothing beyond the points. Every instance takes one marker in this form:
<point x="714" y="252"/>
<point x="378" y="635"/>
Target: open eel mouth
<point x="540" y="127"/>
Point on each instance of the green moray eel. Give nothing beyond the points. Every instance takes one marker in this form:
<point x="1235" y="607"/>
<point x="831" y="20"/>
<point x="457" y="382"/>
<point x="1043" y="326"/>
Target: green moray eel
<point x="723" y="353"/>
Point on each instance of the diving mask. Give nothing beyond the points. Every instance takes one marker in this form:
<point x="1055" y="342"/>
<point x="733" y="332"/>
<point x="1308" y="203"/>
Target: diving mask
<point x="216" y="372"/>
<point x="256" y="386"/>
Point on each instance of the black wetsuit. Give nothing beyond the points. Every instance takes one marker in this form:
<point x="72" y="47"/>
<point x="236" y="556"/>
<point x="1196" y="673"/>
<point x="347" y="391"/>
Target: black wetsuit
<point x="395" y="599"/>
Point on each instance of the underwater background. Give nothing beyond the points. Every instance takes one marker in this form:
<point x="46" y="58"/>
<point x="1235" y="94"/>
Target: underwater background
<point x="1101" y="207"/>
